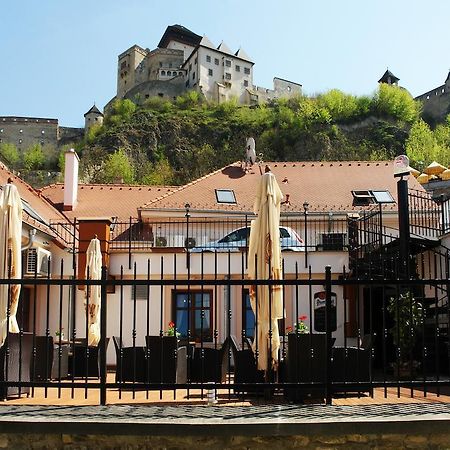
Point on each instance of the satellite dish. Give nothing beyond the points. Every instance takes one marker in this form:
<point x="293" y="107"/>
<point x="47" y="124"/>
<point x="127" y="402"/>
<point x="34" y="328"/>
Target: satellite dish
<point x="401" y="166"/>
<point x="250" y="151"/>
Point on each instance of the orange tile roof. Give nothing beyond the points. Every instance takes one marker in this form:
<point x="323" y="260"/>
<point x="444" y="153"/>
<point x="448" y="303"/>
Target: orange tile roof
<point x="105" y="200"/>
<point x="31" y="196"/>
<point x="326" y="186"/>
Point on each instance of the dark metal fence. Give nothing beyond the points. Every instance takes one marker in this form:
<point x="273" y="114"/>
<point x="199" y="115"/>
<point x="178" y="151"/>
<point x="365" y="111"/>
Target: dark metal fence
<point x="342" y="334"/>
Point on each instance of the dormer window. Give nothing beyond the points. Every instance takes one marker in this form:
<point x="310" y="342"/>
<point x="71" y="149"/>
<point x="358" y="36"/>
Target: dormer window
<point x="365" y="198"/>
<point x="225" y="196"/>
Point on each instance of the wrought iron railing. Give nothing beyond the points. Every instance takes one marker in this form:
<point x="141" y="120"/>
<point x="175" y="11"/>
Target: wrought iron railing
<point x="209" y="304"/>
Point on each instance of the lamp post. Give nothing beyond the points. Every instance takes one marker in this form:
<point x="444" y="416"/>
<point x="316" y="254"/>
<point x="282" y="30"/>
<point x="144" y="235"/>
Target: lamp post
<point x="305" y="215"/>
<point x="186" y="241"/>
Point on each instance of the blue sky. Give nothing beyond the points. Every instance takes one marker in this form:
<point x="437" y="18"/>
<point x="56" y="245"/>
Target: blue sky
<point x="58" y="57"/>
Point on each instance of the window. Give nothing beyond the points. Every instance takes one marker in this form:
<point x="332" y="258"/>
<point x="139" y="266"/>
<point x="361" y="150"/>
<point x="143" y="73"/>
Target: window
<point x="246" y="70"/>
<point x="193" y="75"/>
<point x="364" y="198"/>
<point x="238" y="68"/>
<point x="208" y="58"/>
<point x="139" y="292"/>
<point x="160" y="94"/>
<point x="180" y="73"/>
<point x="20" y="141"/>
<point x="160" y="64"/>
<point x="227" y="76"/>
<point x="169" y="73"/>
<point x="216" y="61"/>
<point x="195" y="61"/>
<point x="245" y="83"/>
<point x="163" y="72"/>
<point x="210" y="72"/>
<point x="170" y="64"/>
<point x="190" y="67"/>
<point x="227" y="63"/>
<point x="43" y="132"/>
<point x="20" y="131"/>
<point x="192" y="311"/>
<point x="248" y="316"/>
<point x="225" y="196"/>
<point x="123" y="65"/>
<point x="1" y="130"/>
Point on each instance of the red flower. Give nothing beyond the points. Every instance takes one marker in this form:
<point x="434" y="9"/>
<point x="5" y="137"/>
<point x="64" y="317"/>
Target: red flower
<point x="302" y="318"/>
<point x="288" y="328"/>
<point x="171" y="324"/>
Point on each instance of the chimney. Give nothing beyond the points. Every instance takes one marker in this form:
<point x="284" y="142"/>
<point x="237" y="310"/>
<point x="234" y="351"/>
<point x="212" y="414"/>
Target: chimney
<point x="70" y="180"/>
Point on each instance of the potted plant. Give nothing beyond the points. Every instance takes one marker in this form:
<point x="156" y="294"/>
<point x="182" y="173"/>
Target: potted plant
<point x="299" y="327"/>
<point x="172" y="330"/>
<point x="406" y="313"/>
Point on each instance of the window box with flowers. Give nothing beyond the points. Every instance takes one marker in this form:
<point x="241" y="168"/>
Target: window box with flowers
<point x="172" y="330"/>
<point x="299" y="327"/>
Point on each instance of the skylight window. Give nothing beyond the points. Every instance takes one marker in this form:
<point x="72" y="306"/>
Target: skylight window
<point x="225" y="196"/>
<point x="365" y="198"/>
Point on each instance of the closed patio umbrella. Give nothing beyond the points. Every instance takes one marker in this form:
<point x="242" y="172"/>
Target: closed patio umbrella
<point x="264" y="262"/>
<point x="434" y="168"/>
<point x="93" y="292"/>
<point x="10" y="257"/>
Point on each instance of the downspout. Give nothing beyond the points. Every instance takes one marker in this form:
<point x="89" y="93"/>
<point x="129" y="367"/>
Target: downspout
<point x="31" y="239"/>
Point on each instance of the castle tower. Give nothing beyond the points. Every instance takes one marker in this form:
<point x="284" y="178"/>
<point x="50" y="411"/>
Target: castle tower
<point x="127" y="64"/>
<point x="389" y="78"/>
<point x="92" y="117"/>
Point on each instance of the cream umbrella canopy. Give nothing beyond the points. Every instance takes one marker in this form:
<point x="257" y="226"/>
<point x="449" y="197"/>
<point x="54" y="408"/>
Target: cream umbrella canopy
<point x="264" y="262"/>
<point x="10" y="257"/>
<point x="93" y="292"/>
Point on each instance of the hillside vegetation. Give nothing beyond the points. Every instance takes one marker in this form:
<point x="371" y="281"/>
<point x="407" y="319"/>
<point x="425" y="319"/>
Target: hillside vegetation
<point x="174" y="142"/>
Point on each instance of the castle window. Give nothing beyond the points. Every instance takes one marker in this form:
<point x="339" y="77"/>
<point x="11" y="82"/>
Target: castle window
<point x="96" y="119"/>
<point x="43" y="132"/>
<point x="228" y="63"/>
<point x="20" y="141"/>
<point x="238" y="68"/>
<point x="170" y="64"/>
<point x="147" y="95"/>
<point x="227" y="76"/>
<point x="180" y="73"/>
<point x="163" y="72"/>
<point x="195" y="62"/>
<point x="123" y="65"/>
<point x="193" y="76"/>
<point x="210" y="72"/>
<point x="160" y="64"/>
<point x="42" y="142"/>
<point x="169" y="73"/>
<point x="160" y="94"/>
<point x="1" y="140"/>
<point x="289" y="89"/>
<point x="1" y="130"/>
<point x="190" y="67"/>
<point x="216" y="61"/>
<point x="245" y="83"/>
<point x="246" y="70"/>
<point x="208" y="58"/>
<point x="20" y="131"/>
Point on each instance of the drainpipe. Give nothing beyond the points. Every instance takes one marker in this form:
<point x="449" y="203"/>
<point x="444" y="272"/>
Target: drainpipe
<point x="31" y="239"/>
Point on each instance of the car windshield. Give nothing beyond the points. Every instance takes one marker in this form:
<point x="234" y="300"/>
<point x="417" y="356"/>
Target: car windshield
<point x="239" y="235"/>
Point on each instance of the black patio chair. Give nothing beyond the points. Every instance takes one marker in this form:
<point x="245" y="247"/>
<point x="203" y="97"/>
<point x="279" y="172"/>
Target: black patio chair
<point x="131" y="362"/>
<point x="245" y="369"/>
<point x="84" y="362"/>
<point x="168" y="361"/>
<point x="209" y="364"/>
<point x="16" y="365"/>
<point x="41" y="365"/>
<point x="306" y="363"/>
<point x="351" y="365"/>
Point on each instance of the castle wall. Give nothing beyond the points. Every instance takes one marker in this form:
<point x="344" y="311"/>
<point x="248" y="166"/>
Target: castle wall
<point x="26" y="131"/>
<point x="155" y="88"/>
<point x="436" y="103"/>
<point x="69" y="135"/>
<point x="185" y="48"/>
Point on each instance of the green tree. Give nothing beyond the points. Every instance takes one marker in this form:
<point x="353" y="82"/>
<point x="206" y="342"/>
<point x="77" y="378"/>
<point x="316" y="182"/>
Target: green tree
<point x="342" y="107"/>
<point x="160" y="173"/>
<point x="122" y="111"/>
<point x="33" y="157"/>
<point x="421" y="145"/>
<point x="396" y="102"/>
<point x="118" y="167"/>
<point x="9" y="154"/>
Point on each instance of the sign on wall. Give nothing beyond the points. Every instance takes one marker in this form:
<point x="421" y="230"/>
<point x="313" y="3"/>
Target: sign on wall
<point x="319" y="311"/>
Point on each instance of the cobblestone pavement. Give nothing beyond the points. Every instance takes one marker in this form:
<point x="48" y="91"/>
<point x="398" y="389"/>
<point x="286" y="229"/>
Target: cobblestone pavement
<point x="266" y="419"/>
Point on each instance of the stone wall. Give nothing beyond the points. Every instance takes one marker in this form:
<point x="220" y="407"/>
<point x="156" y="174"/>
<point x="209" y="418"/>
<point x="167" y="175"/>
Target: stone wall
<point x="155" y="88"/>
<point x="338" y="441"/>
<point x="26" y="131"/>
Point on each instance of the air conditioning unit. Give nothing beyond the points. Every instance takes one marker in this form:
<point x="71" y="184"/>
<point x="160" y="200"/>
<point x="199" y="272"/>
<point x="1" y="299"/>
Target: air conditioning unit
<point x="190" y="242"/>
<point x="333" y="241"/>
<point x="37" y="261"/>
<point x="160" y="241"/>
